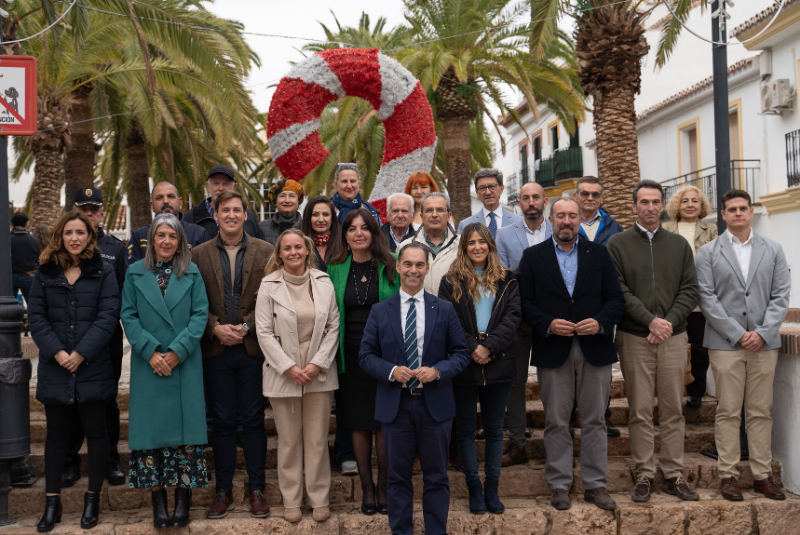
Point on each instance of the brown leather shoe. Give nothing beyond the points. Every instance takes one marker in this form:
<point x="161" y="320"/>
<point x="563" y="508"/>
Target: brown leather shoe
<point x="730" y="490"/>
<point x="641" y="492"/>
<point x="259" y="508"/>
<point x="769" y="489"/>
<point x="559" y="499"/>
<point x="677" y="486"/>
<point x="514" y="455"/>
<point x="222" y="503"/>
<point x="600" y="498"/>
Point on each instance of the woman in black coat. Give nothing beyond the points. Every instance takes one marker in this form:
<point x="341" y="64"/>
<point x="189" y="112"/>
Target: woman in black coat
<point x="487" y="302"/>
<point x="73" y="312"/>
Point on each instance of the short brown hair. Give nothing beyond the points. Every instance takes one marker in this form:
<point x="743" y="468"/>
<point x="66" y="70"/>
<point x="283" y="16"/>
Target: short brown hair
<point x="588" y="179"/>
<point x="56" y="252"/>
<point x="736" y="194"/>
<point x="229" y="194"/>
<point x="647" y="184"/>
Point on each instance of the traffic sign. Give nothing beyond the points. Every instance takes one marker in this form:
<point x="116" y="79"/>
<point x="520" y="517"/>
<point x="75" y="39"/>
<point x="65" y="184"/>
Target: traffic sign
<point x="18" y="97"/>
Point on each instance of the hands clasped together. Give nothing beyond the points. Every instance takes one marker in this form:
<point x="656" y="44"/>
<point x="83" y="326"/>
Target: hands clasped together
<point x="304" y="376"/>
<point x="424" y="374"/>
<point x="229" y="335"/>
<point x="586" y="327"/>
<point x="164" y="363"/>
<point x="69" y="361"/>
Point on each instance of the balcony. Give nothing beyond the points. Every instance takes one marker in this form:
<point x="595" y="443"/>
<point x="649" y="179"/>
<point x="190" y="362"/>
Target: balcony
<point x="546" y="174"/>
<point x="569" y="163"/>
<point x="743" y="176"/>
<point x="793" y="158"/>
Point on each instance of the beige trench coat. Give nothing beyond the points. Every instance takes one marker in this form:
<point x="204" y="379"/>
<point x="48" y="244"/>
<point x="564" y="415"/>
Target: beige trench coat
<point x="276" y="328"/>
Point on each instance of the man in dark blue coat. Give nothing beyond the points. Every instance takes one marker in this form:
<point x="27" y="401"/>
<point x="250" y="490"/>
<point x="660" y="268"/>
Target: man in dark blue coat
<point x="571" y="298"/>
<point x="596" y="224"/>
<point x="89" y="202"/>
<point x="165" y="199"/>
<point x="414" y="346"/>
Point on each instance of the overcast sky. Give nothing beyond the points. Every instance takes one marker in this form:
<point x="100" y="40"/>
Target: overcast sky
<point x="297" y="18"/>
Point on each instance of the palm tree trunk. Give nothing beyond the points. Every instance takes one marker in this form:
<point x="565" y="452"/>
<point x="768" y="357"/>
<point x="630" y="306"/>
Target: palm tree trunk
<point x="46" y="185"/>
<point x="138" y="180"/>
<point x="459" y="169"/>
<point x="617" y="151"/>
<point x="79" y="164"/>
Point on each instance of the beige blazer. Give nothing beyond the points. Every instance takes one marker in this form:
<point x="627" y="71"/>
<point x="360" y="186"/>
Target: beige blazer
<point x="276" y="328"/>
<point x="703" y="232"/>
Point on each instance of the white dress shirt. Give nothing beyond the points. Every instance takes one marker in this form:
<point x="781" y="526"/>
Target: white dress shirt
<point x="649" y="234"/>
<point x="498" y="216"/>
<point x="535" y="237"/>
<point x="405" y="302"/>
<point x="743" y="251"/>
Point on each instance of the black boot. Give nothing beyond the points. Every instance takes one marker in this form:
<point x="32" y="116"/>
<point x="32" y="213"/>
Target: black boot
<point x="183" y="499"/>
<point x="493" y="503"/>
<point x="91" y="510"/>
<point x="160" y="515"/>
<point x="52" y="514"/>
<point x="114" y="475"/>
<point x="477" y="503"/>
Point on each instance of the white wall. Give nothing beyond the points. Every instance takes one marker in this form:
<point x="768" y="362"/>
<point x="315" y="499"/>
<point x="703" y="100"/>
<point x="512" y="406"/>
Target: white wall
<point x="785" y="415"/>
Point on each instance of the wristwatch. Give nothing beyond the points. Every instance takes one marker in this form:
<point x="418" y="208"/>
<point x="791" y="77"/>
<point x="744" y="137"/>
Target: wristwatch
<point x="245" y="327"/>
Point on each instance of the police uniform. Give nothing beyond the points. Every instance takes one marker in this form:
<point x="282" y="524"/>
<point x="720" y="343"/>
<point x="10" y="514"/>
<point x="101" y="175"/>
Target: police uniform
<point x="113" y="252"/>
<point x="137" y="245"/>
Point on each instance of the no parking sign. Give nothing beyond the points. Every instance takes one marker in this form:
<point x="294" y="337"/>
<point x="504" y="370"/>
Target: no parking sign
<point x="18" y="98"/>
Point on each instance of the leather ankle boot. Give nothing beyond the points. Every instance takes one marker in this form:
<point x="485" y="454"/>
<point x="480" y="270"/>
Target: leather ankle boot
<point x="52" y="514"/>
<point x="160" y="515"/>
<point x="493" y="503"/>
<point x="91" y="510"/>
<point x="183" y="499"/>
<point x="477" y="504"/>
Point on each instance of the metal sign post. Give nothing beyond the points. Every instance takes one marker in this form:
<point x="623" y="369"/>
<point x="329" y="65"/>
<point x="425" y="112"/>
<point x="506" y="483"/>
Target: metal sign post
<point x="18" y="105"/>
<point x="722" y="140"/>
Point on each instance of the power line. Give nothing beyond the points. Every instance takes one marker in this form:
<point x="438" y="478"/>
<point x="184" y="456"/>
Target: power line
<point x="64" y="14"/>
<point x="723" y="43"/>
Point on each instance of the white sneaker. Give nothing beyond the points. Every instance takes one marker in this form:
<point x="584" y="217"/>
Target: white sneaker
<point x="349" y="468"/>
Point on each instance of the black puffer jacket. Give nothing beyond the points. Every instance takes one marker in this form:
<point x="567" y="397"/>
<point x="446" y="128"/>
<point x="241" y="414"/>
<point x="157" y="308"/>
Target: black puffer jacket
<point x="80" y="317"/>
<point x="503" y="326"/>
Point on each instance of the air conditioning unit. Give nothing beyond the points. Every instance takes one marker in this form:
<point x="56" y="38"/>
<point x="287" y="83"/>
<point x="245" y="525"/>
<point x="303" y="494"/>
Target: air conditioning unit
<point x="776" y="96"/>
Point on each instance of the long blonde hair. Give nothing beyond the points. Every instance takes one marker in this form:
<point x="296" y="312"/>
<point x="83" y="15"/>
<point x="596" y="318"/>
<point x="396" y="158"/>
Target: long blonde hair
<point x="463" y="272"/>
<point x="275" y="263"/>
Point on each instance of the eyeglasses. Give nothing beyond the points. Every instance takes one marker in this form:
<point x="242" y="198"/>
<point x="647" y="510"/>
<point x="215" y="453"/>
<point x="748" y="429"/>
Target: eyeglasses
<point x="490" y="187"/>
<point x="592" y="194"/>
<point x="347" y="165"/>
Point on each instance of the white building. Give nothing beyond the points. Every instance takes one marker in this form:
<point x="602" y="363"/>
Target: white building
<point x="675" y="128"/>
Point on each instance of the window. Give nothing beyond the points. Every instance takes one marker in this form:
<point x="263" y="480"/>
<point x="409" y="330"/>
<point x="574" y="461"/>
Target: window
<point x="575" y="139"/>
<point x="734" y="130"/>
<point x="523" y="157"/>
<point x="553" y="133"/>
<point x="689" y="154"/>
<point x="537" y="148"/>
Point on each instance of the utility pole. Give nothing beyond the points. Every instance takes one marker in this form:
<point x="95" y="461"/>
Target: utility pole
<point x="722" y="142"/>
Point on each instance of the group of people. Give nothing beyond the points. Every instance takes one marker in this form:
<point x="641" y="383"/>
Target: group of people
<point x="405" y="326"/>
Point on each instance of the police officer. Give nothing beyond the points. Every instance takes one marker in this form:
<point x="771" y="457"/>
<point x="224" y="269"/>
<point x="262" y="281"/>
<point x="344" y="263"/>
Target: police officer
<point x="220" y="178"/>
<point x="165" y="199"/>
<point x="89" y="202"/>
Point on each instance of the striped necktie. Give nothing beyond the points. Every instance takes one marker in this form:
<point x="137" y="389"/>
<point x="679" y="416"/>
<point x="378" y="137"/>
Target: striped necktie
<point x="493" y="224"/>
<point x="412" y="354"/>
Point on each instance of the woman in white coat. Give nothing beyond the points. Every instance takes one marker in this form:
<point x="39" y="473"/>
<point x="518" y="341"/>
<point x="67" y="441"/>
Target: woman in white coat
<point x="297" y="323"/>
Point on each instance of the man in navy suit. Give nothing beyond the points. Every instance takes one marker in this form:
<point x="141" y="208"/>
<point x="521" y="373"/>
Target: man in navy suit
<point x="571" y="298"/>
<point x="414" y="346"/>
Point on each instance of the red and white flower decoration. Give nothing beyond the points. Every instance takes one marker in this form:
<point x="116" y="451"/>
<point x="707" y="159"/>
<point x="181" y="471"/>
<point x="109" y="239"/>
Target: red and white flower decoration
<point x="294" y="113"/>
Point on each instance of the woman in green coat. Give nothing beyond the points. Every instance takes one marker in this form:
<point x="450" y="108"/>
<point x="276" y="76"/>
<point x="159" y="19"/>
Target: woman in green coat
<point x="164" y="313"/>
<point x="363" y="273"/>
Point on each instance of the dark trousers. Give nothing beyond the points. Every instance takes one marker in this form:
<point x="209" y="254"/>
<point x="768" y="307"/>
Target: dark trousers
<point x="234" y="381"/>
<point x="60" y="420"/>
<point x="695" y="328"/>
<point x="343" y="440"/>
<point x="412" y="430"/>
<point x="77" y="435"/>
<point x="22" y="282"/>
<point x="494" y="399"/>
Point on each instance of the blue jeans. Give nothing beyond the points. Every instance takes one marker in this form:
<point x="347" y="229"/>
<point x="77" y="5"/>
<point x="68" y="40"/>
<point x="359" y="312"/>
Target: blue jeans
<point x="234" y="382"/>
<point x="494" y="399"/>
<point x="23" y="282"/>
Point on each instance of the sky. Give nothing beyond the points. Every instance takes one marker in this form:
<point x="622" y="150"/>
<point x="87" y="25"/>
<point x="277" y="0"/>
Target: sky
<point x="297" y="18"/>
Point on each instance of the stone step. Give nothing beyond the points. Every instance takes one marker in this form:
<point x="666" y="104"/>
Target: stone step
<point x="697" y="438"/>
<point x="532" y="392"/>
<point x="534" y="409"/>
<point x="662" y="515"/>
<point x="521" y="481"/>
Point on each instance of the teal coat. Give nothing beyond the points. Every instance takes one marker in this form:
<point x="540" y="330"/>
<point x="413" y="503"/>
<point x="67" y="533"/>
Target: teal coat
<point x="165" y="411"/>
<point x="338" y="274"/>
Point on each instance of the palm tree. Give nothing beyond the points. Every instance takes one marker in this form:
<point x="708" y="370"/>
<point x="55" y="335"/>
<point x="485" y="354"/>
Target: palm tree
<point x="466" y="52"/>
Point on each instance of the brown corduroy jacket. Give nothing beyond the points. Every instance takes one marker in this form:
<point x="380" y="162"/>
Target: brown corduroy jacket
<point x="256" y="256"/>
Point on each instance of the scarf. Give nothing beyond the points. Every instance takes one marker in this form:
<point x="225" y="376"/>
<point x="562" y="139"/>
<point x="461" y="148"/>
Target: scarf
<point x="321" y="240"/>
<point x="345" y="207"/>
<point x="284" y="222"/>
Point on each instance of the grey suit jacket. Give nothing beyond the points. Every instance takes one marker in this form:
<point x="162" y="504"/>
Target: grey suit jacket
<point x="508" y="219"/>
<point x="733" y="306"/>
<point x="513" y="240"/>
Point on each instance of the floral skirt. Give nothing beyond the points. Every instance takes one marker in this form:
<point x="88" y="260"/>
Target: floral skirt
<point x="180" y="466"/>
